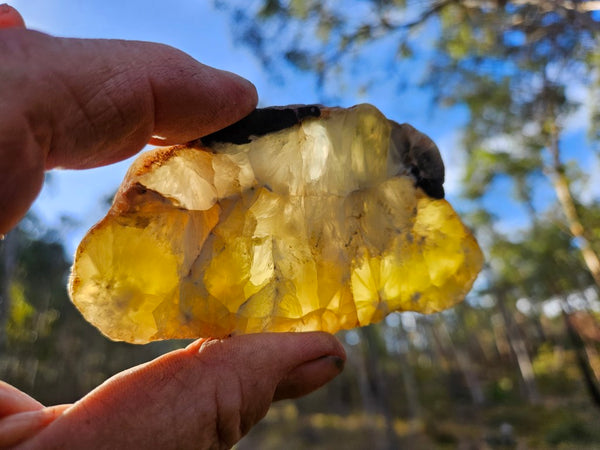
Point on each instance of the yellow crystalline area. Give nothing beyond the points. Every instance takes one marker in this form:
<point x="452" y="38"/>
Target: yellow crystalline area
<point x="303" y="229"/>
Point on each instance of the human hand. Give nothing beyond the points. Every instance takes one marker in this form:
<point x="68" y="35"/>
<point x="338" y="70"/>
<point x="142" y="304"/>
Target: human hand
<point x="82" y="103"/>
<point x="85" y="103"/>
<point x="207" y="395"/>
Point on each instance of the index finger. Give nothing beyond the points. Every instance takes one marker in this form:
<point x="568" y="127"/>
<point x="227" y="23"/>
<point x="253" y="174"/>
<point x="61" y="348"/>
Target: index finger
<point x="91" y="102"/>
<point x="82" y="103"/>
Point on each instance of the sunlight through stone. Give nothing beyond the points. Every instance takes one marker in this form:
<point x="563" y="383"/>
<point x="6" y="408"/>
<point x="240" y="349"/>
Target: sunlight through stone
<point x="330" y="223"/>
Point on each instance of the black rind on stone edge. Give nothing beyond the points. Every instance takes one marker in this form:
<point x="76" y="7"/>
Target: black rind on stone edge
<point x="433" y="188"/>
<point x="262" y="121"/>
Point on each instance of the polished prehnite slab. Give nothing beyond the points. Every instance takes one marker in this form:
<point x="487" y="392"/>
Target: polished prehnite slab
<point x="330" y="223"/>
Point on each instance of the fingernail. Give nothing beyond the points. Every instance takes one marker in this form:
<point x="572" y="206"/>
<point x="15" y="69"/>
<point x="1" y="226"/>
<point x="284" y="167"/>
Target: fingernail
<point x="10" y="17"/>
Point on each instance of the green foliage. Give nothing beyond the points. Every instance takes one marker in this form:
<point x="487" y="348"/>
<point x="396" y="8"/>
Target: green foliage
<point x="590" y="217"/>
<point x="543" y="263"/>
<point x="512" y="67"/>
<point x="20" y="315"/>
<point x="20" y="311"/>
<point x="555" y="371"/>
<point x="270" y="8"/>
<point x="572" y="430"/>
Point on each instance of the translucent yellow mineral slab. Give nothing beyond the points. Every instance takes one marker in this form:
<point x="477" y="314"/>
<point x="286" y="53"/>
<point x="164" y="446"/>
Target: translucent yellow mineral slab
<point x="329" y="223"/>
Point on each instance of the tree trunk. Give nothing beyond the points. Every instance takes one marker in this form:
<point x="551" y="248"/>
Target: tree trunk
<point x="519" y="349"/>
<point x="591" y="383"/>
<point x="565" y="198"/>
<point x="409" y="380"/>
<point x="361" y="363"/>
<point x="500" y="337"/>
<point x="586" y="325"/>
<point x="373" y="356"/>
<point x="444" y="341"/>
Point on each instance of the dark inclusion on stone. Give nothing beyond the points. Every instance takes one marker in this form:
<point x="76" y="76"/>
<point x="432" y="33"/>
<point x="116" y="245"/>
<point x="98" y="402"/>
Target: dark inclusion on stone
<point x="432" y="187"/>
<point x="262" y="121"/>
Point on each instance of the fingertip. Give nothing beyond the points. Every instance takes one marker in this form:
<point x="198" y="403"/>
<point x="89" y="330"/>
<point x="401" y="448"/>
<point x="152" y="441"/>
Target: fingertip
<point x="247" y="93"/>
<point x="320" y="341"/>
<point x="294" y="348"/>
<point x="14" y="401"/>
<point x="10" y="17"/>
<point x="19" y="427"/>
<point x="198" y="101"/>
<point x="308" y="377"/>
<point x="299" y="363"/>
<point x="324" y="359"/>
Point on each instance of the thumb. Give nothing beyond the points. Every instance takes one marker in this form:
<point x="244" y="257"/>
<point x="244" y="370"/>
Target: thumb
<point x="299" y="362"/>
<point x="207" y="395"/>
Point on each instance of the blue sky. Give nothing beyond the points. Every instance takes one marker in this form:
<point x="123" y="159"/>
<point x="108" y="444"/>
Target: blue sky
<point x="195" y="27"/>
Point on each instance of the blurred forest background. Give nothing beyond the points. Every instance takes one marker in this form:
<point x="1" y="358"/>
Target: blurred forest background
<point x="518" y="364"/>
